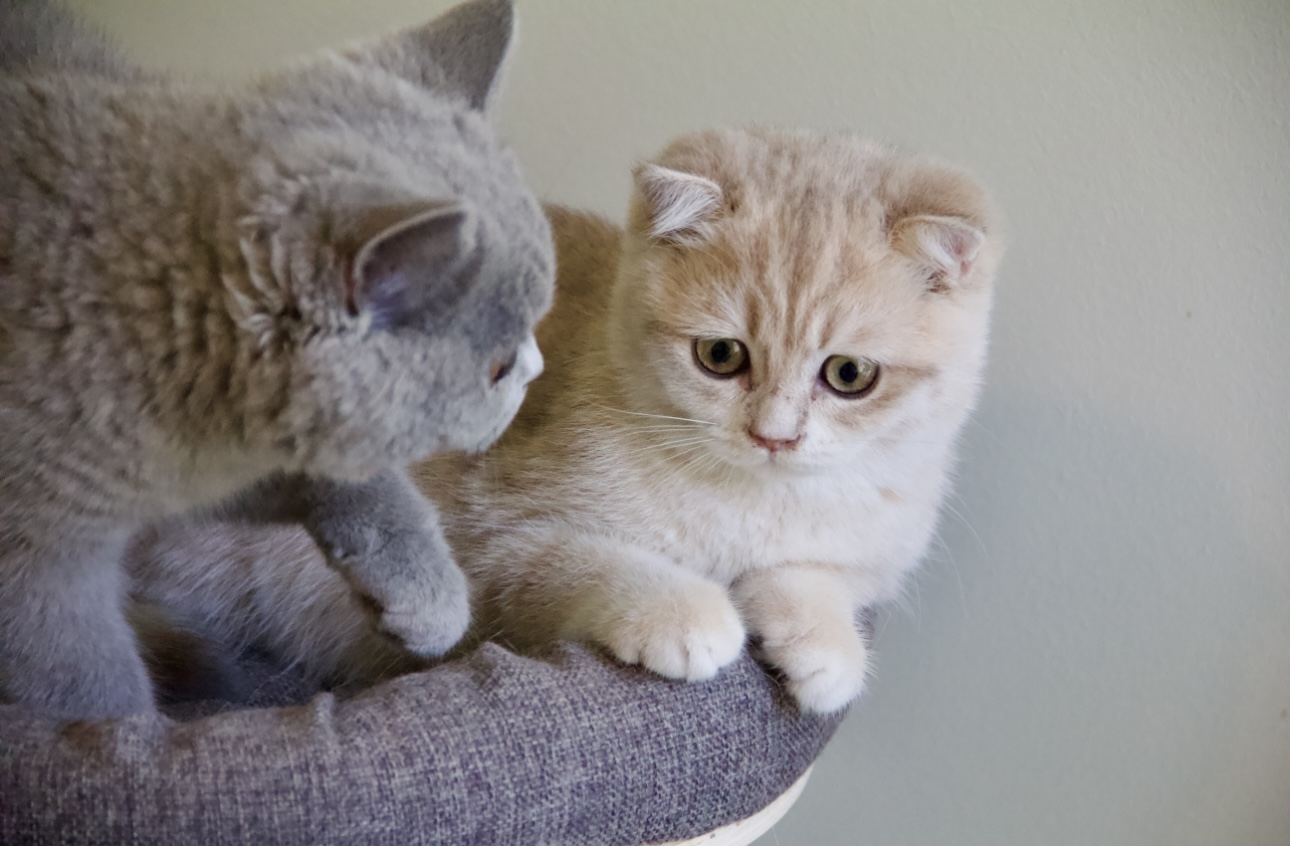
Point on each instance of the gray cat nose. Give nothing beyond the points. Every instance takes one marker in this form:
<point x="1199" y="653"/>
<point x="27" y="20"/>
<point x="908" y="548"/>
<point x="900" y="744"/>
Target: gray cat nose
<point x="528" y="361"/>
<point x="524" y="365"/>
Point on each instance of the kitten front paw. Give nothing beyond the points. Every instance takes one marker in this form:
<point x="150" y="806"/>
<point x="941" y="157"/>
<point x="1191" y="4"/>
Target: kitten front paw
<point x="686" y="632"/>
<point x="825" y="666"/>
<point x="415" y="590"/>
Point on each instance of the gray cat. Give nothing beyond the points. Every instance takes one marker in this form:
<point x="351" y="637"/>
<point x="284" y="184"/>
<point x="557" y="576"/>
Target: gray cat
<point x="245" y="302"/>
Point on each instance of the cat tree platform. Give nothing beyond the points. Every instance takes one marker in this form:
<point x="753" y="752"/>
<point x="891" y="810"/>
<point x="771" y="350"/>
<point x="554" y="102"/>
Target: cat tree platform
<point x="491" y="749"/>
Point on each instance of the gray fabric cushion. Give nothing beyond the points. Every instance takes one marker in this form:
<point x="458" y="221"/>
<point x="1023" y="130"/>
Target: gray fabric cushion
<point x="491" y="749"/>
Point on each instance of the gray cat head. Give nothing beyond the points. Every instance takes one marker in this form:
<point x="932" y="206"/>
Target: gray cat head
<point x="396" y="261"/>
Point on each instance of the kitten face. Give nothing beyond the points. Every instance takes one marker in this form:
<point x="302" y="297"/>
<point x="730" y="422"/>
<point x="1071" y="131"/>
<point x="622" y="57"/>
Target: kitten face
<point x="811" y="378"/>
<point x="794" y="318"/>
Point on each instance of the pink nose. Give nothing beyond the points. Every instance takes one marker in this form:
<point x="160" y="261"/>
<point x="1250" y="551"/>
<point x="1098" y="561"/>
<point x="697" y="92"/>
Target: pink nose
<point x="774" y="444"/>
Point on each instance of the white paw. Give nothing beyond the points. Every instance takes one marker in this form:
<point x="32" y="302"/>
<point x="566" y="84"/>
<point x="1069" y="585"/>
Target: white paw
<point x="825" y="666"/>
<point x="688" y="631"/>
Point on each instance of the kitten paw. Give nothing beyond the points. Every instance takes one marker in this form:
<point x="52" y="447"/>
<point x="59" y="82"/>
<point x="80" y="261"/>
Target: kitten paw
<point x="688" y="632"/>
<point x="420" y="599"/>
<point x="423" y="626"/>
<point x="825" y="667"/>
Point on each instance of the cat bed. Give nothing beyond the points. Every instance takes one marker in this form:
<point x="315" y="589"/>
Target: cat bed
<point x="494" y="748"/>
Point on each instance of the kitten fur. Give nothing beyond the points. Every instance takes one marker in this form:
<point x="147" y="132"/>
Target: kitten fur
<point x="640" y="502"/>
<point x="207" y="290"/>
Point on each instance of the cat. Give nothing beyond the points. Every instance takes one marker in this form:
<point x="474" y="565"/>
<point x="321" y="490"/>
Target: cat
<point x="746" y="422"/>
<point x="749" y="414"/>
<point x="256" y="302"/>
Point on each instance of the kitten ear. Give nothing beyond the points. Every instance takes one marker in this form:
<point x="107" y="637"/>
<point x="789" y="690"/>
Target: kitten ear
<point x="946" y="246"/>
<point x="461" y="51"/>
<point x="420" y="266"/>
<point x="678" y="206"/>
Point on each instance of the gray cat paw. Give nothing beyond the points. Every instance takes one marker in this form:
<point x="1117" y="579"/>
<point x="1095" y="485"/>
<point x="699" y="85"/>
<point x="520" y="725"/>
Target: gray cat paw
<point x="411" y="585"/>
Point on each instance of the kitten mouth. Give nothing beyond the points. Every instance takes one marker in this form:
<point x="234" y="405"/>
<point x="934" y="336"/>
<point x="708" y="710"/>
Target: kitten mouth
<point x="778" y="460"/>
<point x="777" y="463"/>
<point x="757" y="458"/>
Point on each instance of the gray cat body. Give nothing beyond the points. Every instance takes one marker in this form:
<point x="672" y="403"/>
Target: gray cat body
<point x="208" y="294"/>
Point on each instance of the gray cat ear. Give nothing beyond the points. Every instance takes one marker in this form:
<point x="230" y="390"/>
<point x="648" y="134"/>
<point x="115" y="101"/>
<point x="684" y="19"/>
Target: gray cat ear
<point x="679" y="206"/>
<point x="461" y="51"/>
<point x="417" y="268"/>
<point x="946" y="247"/>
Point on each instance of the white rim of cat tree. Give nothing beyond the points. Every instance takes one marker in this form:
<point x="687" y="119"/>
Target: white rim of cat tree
<point x="747" y="830"/>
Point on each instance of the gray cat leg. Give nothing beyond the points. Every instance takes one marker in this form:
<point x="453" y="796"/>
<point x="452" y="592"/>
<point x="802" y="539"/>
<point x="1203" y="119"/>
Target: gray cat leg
<point x="65" y="646"/>
<point x="384" y="537"/>
<point x="184" y="663"/>
<point x="233" y="584"/>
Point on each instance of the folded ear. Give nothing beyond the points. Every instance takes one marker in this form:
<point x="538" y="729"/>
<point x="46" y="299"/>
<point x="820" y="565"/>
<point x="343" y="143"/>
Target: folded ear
<point x="418" y="267"/>
<point x="679" y="207"/>
<point x="460" y="52"/>
<point x="946" y="247"/>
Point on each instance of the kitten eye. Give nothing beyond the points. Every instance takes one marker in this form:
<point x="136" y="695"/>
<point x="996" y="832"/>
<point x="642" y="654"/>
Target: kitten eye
<point x="721" y="356"/>
<point x="850" y="377"/>
<point x="501" y="369"/>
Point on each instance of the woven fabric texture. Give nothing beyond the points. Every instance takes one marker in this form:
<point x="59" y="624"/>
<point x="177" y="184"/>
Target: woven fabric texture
<point x="492" y="749"/>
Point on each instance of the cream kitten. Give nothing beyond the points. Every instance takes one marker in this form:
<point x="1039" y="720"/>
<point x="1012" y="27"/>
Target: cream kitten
<point x="749" y="411"/>
<point x="748" y="414"/>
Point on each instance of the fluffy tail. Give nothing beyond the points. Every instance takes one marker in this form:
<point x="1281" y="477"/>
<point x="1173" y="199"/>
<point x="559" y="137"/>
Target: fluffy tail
<point x="37" y="36"/>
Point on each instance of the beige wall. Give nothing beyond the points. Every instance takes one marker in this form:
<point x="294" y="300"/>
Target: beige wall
<point x="1100" y="654"/>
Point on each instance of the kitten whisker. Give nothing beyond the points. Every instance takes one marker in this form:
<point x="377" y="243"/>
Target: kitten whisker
<point x="666" y="427"/>
<point x="966" y="523"/>
<point x="668" y="444"/>
<point x="658" y="416"/>
<point x="971" y="421"/>
<point x="954" y="565"/>
<point x="691" y="466"/>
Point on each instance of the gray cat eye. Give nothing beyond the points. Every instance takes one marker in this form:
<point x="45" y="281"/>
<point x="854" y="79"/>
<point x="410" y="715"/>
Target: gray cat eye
<point x="501" y="369"/>
<point x="723" y="357"/>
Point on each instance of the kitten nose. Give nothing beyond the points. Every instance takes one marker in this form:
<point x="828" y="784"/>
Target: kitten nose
<point x="774" y="444"/>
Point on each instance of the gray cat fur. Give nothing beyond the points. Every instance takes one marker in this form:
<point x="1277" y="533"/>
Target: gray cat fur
<point x="205" y="289"/>
<point x="39" y="36"/>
